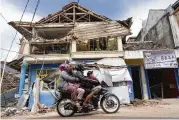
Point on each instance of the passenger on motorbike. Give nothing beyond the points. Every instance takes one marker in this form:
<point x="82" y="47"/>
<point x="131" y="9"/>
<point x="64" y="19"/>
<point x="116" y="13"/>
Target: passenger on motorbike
<point x="108" y="105"/>
<point x="95" y="89"/>
<point x="69" y="83"/>
<point x="91" y="81"/>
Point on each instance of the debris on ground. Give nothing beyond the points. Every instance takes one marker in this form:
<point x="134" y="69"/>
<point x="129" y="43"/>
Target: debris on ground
<point x="144" y="103"/>
<point x="43" y="108"/>
<point x="10" y="111"/>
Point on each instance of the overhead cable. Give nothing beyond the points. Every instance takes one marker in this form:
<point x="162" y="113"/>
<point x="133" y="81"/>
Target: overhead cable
<point x="12" y="44"/>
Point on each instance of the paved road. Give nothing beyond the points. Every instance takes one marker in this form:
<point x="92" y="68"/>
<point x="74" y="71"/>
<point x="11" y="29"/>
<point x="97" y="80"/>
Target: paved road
<point x="170" y="111"/>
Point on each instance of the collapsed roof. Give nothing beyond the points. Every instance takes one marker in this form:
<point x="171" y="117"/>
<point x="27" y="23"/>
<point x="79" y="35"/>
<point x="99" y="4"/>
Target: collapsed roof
<point x="75" y="20"/>
<point x="144" y="45"/>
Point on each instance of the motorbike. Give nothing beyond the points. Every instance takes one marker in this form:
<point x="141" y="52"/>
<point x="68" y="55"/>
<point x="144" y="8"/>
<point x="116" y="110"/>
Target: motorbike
<point x="108" y="102"/>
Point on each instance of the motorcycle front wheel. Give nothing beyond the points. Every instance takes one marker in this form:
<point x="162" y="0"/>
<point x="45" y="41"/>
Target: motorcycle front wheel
<point x="70" y="111"/>
<point x="110" y="103"/>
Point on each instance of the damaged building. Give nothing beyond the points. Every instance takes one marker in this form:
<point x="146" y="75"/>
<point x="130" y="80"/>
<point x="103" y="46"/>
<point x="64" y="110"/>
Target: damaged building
<point x="74" y="33"/>
<point x="79" y="34"/>
<point x="155" y="50"/>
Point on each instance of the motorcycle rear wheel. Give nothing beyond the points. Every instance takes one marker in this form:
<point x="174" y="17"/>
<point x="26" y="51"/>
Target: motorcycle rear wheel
<point x="107" y="104"/>
<point x="61" y="104"/>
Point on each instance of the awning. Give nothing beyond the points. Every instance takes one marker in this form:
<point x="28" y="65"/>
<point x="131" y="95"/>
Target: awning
<point x="110" y="62"/>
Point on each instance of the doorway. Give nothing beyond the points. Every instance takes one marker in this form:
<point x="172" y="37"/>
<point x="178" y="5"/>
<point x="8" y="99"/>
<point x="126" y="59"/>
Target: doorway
<point x="162" y="83"/>
<point x="136" y="82"/>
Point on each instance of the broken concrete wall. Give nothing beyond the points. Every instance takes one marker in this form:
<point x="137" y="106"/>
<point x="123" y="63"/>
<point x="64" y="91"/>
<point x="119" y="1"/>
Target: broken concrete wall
<point x="146" y="45"/>
<point x="161" y="33"/>
<point x="153" y="17"/>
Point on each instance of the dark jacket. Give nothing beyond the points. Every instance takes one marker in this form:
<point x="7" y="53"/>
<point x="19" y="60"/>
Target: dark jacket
<point x="85" y="82"/>
<point x="65" y="77"/>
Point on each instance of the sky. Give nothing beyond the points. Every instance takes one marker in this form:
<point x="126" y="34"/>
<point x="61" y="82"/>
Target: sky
<point x="114" y="9"/>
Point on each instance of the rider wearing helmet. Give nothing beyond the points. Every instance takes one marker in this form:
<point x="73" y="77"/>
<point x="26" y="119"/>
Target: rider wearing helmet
<point x="68" y="82"/>
<point x="62" y="67"/>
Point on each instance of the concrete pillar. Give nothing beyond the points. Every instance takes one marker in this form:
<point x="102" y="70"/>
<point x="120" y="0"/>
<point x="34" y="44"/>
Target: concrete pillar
<point x="22" y="77"/>
<point x="26" y="50"/>
<point x="73" y="46"/>
<point x="97" y="43"/>
<point x="144" y="83"/>
<point x="119" y="44"/>
<point x="175" y="30"/>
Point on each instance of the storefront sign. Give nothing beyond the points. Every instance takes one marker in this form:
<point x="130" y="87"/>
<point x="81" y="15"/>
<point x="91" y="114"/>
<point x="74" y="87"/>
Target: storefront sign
<point x="160" y="59"/>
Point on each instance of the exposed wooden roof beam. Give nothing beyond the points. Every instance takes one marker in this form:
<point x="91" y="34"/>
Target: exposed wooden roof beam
<point x="55" y="15"/>
<point x="91" y="13"/>
<point x="71" y="5"/>
<point x="49" y="42"/>
<point x="76" y="13"/>
<point x="66" y="17"/>
<point x="82" y="17"/>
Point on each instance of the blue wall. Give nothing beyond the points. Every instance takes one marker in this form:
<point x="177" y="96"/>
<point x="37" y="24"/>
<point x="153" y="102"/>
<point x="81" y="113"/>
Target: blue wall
<point x="147" y="83"/>
<point x="176" y="70"/>
<point x="130" y="86"/>
<point x="45" y="97"/>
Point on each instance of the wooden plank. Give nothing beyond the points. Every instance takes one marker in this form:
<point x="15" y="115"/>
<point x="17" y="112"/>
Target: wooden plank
<point x="56" y="25"/>
<point x="92" y="36"/>
<point x="89" y="18"/>
<point x="99" y="31"/>
<point x="56" y="15"/>
<point x="88" y="12"/>
<point x="97" y="43"/>
<point x="67" y="17"/>
<point x="92" y="30"/>
<point x="96" y="27"/>
<point x="74" y="15"/>
<point x="59" y="19"/>
<point x="49" y="42"/>
<point x="81" y="17"/>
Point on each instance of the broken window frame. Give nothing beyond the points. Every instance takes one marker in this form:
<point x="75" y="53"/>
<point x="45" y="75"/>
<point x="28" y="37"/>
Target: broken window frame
<point x="50" y="48"/>
<point x="97" y="45"/>
<point x="44" y="73"/>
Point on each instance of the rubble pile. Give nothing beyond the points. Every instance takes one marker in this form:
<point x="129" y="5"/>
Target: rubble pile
<point x="10" y="111"/>
<point x="145" y="103"/>
<point x="143" y="46"/>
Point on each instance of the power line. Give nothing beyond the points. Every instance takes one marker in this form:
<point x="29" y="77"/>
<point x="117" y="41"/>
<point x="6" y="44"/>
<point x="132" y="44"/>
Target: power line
<point x="12" y="44"/>
<point x="12" y="33"/>
<point x="3" y="17"/>
<point x="7" y="22"/>
<point x="38" y="2"/>
<point x="20" y="53"/>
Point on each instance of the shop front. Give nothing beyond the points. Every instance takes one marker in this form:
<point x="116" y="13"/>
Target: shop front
<point x="161" y="72"/>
